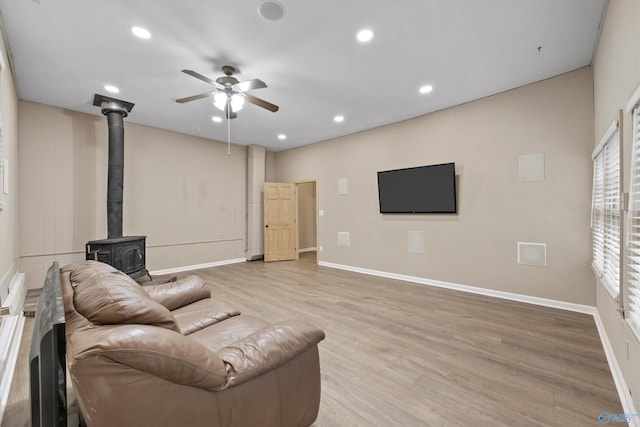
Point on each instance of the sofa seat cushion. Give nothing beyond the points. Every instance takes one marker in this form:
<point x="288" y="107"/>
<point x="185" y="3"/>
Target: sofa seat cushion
<point x="202" y="314"/>
<point x="223" y="334"/>
<point x="107" y="296"/>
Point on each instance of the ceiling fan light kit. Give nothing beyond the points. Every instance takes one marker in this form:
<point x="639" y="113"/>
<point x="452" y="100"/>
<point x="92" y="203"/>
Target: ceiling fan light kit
<point x="220" y="100"/>
<point x="229" y="95"/>
<point x="223" y="100"/>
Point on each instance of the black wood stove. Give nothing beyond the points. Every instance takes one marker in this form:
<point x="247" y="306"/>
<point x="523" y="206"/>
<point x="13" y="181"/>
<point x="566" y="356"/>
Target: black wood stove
<point x="127" y="254"/>
<point x="124" y="253"/>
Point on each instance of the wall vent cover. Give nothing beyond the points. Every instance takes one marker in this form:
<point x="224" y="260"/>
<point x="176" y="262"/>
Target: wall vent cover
<point x="532" y="254"/>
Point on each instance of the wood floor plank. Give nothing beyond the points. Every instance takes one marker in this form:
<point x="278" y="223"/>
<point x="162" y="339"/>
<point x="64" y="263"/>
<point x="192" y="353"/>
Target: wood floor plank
<point x="398" y="353"/>
<point x="404" y="354"/>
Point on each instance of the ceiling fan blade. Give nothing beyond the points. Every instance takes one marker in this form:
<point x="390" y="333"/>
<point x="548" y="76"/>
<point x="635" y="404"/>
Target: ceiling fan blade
<point x="249" y="85"/>
<point x="261" y="103"/>
<point x="194" y="97"/>
<point x="203" y="78"/>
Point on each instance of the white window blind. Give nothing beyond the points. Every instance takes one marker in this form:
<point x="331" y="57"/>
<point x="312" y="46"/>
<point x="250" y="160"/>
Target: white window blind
<point x="633" y="312"/>
<point x="597" y="217"/>
<point x="605" y="210"/>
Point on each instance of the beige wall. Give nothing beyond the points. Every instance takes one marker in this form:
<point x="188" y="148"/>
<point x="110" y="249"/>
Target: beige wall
<point x="9" y="249"/>
<point x="616" y="75"/>
<point x="270" y="167"/>
<point x="307" y="215"/>
<point x="184" y="193"/>
<point x="477" y="246"/>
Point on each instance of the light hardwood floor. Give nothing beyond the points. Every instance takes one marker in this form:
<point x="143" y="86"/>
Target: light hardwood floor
<point x="402" y="354"/>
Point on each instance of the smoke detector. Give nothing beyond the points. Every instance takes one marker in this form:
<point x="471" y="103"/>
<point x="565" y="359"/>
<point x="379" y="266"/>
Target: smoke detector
<point x="271" y="10"/>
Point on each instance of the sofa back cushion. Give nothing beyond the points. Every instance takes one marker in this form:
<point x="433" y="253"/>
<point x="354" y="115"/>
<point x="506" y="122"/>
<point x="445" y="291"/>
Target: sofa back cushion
<point x="107" y="296"/>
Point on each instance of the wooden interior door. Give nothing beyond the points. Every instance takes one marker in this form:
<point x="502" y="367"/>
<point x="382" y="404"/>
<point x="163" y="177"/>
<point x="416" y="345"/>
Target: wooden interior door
<point x="280" y="228"/>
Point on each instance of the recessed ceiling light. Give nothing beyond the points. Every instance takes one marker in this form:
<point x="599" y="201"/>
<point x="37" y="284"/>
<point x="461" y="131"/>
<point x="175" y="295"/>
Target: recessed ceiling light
<point x="282" y="137"/>
<point x="426" y="89"/>
<point x="111" y="88"/>
<point x="364" y="35"/>
<point x="141" y="32"/>
<point x="338" y="119"/>
<point x="216" y="119"/>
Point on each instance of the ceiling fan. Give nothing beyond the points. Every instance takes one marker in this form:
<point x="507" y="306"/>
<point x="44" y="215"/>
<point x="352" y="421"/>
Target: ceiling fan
<point x="230" y="94"/>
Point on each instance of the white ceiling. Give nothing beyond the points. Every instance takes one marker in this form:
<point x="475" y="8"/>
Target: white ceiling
<point x="65" y="51"/>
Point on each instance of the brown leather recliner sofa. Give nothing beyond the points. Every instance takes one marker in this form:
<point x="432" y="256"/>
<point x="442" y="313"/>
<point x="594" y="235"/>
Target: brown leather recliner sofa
<point x="170" y="355"/>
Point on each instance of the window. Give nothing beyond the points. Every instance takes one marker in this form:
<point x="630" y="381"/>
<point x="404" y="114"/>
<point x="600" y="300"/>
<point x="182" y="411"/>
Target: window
<point x="597" y="226"/>
<point x="605" y="210"/>
<point x="633" y="312"/>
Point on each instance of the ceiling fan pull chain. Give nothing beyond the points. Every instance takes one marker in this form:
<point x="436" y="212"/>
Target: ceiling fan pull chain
<point x="228" y="135"/>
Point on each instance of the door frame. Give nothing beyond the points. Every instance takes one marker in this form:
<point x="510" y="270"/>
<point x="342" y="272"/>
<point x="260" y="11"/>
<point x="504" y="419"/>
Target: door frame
<point x="317" y="216"/>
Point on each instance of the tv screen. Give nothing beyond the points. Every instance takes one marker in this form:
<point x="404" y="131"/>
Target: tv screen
<point x="424" y="189"/>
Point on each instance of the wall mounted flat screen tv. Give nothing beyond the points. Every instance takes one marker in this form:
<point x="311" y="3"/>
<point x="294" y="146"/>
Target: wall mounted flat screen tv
<point x="424" y="189"/>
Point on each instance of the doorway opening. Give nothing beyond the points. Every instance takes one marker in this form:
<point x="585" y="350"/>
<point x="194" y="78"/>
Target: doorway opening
<point x="308" y="220"/>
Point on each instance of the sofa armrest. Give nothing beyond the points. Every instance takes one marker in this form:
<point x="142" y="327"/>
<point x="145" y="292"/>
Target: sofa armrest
<point x="179" y="293"/>
<point x="267" y="349"/>
<point x="156" y="351"/>
<point x="196" y="320"/>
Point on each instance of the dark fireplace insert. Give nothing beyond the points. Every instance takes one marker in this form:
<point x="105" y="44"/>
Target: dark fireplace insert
<point x="124" y="253"/>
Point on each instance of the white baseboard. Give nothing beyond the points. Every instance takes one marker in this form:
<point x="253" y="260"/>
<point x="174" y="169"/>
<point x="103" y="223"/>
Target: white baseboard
<point x="580" y="308"/>
<point x="621" y="386"/>
<point x="311" y="249"/>
<point x="197" y="266"/>
<point x="10" y="337"/>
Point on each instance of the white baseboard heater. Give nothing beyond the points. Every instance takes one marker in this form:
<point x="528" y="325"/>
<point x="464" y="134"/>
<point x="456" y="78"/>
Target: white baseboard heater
<point x="17" y="294"/>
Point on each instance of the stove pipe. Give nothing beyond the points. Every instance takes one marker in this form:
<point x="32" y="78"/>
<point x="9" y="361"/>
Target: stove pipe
<point x="115" y="178"/>
<point x="115" y="110"/>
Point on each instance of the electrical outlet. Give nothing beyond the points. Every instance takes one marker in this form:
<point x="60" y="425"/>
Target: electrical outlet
<point x="321" y="248"/>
